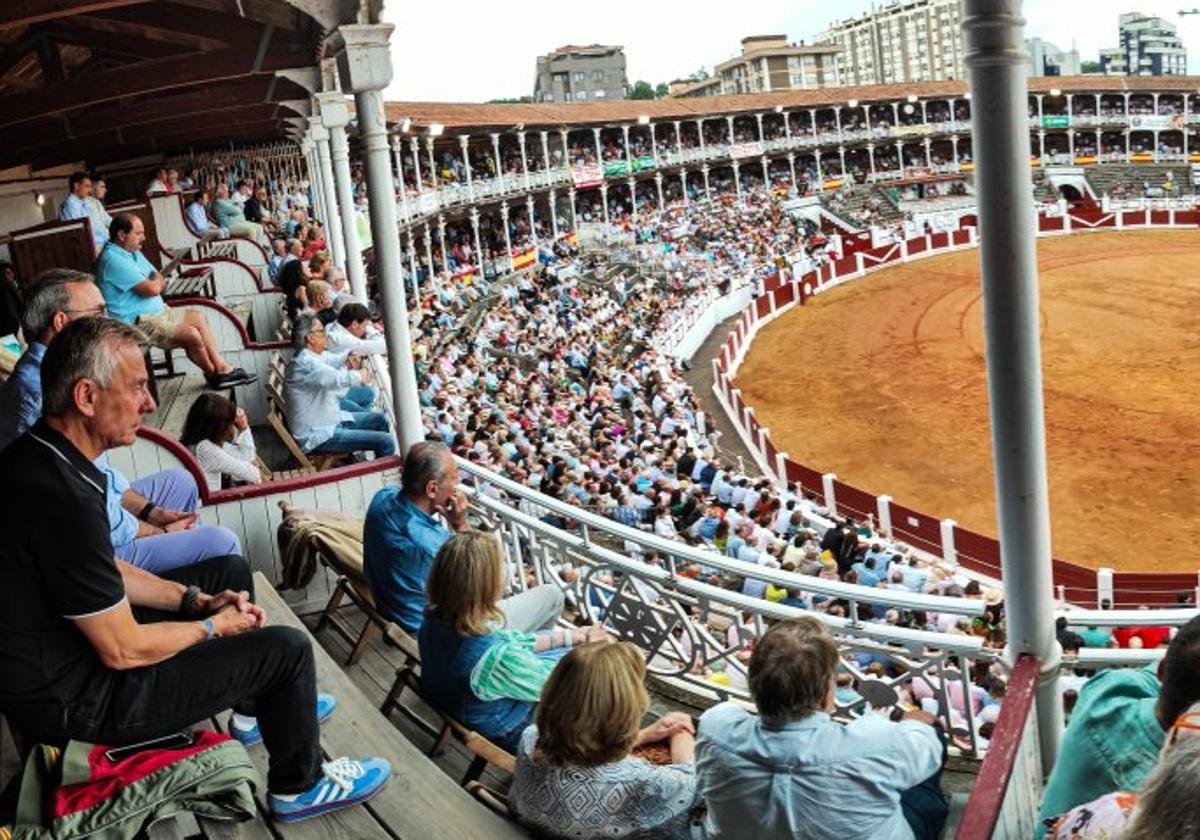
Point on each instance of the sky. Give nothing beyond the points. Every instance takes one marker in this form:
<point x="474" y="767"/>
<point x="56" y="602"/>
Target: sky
<point x="475" y="50"/>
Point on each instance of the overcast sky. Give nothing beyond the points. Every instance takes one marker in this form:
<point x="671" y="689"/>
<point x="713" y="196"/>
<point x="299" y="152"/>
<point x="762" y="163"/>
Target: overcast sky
<point x="475" y="50"/>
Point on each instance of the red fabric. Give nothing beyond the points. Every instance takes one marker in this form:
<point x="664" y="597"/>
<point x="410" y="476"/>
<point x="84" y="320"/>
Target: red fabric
<point x="106" y="778"/>
<point x="1151" y="637"/>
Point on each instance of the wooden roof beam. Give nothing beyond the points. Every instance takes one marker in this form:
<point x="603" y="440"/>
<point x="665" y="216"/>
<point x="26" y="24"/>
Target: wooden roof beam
<point x="15" y="13"/>
<point x="142" y="78"/>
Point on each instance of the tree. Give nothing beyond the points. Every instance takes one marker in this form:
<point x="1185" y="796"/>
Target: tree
<point x="660" y="90"/>
<point x="1090" y="67"/>
<point x="641" y="89"/>
<point x="509" y="101"/>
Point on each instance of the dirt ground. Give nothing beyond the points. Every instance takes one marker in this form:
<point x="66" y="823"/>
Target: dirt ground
<point x="882" y="381"/>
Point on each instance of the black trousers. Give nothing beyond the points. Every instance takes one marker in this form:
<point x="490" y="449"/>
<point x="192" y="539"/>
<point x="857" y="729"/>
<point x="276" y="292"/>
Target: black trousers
<point x="268" y="672"/>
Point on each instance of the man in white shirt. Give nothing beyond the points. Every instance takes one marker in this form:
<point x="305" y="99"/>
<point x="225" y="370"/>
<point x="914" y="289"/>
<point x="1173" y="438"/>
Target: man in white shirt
<point x="353" y="332"/>
<point x="312" y="387"/>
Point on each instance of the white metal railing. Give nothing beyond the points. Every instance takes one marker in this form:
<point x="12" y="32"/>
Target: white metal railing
<point x="691" y="630"/>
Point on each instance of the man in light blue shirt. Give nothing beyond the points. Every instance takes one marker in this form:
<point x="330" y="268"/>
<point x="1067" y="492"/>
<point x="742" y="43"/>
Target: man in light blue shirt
<point x="197" y="216"/>
<point x="230" y="216"/>
<point x="315" y="385"/>
<point x="76" y="207"/>
<point x="791" y="771"/>
<point x="133" y="288"/>
<point x="56" y="298"/>
<point x="401" y="536"/>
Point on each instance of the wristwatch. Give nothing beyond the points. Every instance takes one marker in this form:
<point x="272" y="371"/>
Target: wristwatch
<point x="187" y="606"/>
<point x="208" y="625"/>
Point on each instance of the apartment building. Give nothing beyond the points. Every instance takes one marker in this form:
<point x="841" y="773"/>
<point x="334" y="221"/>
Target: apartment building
<point x="580" y="74"/>
<point x="901" y="42"/>
<point x="1150" y="46"/>
<point x="767" y="63"/>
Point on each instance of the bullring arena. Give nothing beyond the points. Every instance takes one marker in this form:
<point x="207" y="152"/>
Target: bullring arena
<point x="882" y="381"/>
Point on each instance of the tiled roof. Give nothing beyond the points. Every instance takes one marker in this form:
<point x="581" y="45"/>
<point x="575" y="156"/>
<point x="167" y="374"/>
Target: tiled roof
<point x="467" y="117"/>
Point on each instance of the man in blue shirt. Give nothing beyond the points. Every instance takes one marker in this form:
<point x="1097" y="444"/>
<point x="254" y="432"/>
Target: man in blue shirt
<point x="197" y="217"/>
<point x="76" y="206"/>
<point x="402" y="535"/>
<point x="792" y="771"/>
<point x="56" y="298"/>
<point x="133" y="288"/>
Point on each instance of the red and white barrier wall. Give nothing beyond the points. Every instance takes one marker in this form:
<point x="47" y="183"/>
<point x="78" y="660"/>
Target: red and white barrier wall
<point x="974" y="552"/>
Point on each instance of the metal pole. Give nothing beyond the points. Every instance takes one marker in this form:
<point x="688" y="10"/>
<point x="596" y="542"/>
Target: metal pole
<point x="339" y="152"/>
<point x="367" y="48"/>
<point x="332" y="220"/>
<point x="997" y="70"/>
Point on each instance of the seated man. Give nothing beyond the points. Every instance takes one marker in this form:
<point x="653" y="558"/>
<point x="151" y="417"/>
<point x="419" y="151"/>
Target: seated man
<point x="75" y="206"/>
<point x="791" y="770"/>
<point x="57" y="297"/>
<point x="401" y="538"/>
<point x="314" y="385"/>
<point x="197" y="215"/>
<point x="101" y="220"/>
<point x="160" y="183"/>
<point x="353" y="332"/>
<point x="99" y="651"/>
<point x="339" y="287"/>
<point x="276" y="260"/>
<point x="1123" y="712"/>
<point x="230" y="216"/>
<point x="132" y="289"/>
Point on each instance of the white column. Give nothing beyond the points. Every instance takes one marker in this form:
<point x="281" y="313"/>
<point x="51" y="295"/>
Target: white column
<point x="599" y="154"/>
<point x="632" y="198"/>
<point x="507" y="237"/>
<point x="554" y="214"/>
<point x="335" y="116"/>
<point x="433" y="170"/>
<point x="368" y="71"/>
<point x="604" y="202"/>
<point x="333" y="222"/>
<point x="545" y="150"/>
<point x="628" y="156"/>
<point x="496" y="155"/>
<point x="524" y="163"/>
<point x="995" y="60"/>
<point x="532" y="223"/>
<point x="464" y="142"/>
<point x="574" y="213"/>
<point x="478" y="241"/>
<point x="658" y="179"/>
<point x="398" y="157"/>
<point x="442" y="241"/>
<point x="414" y="146"/>
<point x="429" y="255"/>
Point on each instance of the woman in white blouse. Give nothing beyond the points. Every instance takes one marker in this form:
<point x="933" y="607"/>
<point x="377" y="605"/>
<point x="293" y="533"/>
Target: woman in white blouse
<point x="219" y="434"/>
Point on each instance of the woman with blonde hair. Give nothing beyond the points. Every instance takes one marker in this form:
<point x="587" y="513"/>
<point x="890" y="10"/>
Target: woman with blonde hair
<point x="485" y="676"/>
<point x="575" y="776"/>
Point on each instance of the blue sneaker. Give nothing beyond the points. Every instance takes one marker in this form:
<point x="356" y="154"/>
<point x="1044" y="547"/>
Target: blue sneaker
<point x="344" y="782"/>
<point x="248" y="736"/>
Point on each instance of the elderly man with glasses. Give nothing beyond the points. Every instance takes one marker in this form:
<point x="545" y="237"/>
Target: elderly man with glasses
<point x="316" y="387"/>
<point x="56" y="298"/>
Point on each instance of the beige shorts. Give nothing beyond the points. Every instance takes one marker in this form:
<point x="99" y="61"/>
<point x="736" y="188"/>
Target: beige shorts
<point x="160" y="329"/>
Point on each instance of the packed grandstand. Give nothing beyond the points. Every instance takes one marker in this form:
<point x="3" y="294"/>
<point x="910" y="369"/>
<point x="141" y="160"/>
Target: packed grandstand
<point x="456" y="380"/>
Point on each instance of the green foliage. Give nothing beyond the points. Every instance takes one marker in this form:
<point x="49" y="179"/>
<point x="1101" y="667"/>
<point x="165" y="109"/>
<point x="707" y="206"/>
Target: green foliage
<point x="1090" y="67"/>
<point x="641" y="89"/>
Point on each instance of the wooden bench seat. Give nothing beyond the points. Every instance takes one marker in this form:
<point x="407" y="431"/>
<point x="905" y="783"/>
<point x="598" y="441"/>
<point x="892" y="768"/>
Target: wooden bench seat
<point x="192" y="284"/>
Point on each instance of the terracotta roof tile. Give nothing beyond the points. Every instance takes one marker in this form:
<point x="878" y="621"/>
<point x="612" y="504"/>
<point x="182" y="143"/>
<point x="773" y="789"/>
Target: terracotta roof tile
<point x="464" y="117"/>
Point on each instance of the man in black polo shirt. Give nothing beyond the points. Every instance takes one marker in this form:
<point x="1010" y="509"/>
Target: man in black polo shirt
<point x="97" y="650"/>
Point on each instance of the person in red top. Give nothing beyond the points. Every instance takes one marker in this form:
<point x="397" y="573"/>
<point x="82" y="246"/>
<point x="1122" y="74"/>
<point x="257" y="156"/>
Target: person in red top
<point x="1142" y="637"/>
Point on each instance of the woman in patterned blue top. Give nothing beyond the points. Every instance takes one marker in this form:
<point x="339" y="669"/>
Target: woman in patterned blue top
<point x="575" y="776"/>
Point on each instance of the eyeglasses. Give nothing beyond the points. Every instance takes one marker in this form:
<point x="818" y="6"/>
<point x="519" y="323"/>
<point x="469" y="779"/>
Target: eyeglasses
<point x="97" y="311"/>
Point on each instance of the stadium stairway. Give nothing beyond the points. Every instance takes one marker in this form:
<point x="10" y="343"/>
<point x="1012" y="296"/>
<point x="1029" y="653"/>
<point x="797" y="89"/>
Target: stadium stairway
<point x="1136" y="177"/>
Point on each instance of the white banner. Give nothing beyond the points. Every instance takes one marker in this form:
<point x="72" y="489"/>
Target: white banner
<point x="1161" y="122"/>
<point x="745" y="150"/>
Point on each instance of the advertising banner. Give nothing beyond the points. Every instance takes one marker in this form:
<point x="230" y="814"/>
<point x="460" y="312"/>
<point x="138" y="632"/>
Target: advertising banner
<point x="587" y="176"/>
<point x="745" y="150"/>
<point x="907" y="130"/>
<point x="1056" y="121"/>
<point x="615" y="167"/>
<point x="1160" y="122"/>
<point x="643" y="162"/>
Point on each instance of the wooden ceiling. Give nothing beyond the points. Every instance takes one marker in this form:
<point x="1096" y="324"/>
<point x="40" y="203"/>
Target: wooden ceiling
<point x="103" y="80"/>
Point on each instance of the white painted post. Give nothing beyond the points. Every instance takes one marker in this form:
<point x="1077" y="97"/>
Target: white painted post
<point x="747" y="413"/>
<point x="858" y="261"/>
<point x="716" y="372"/>
<point x="883" y="504"/>
<point x="781" y="466"/>
<point x="1066" y="222"/>
<point x="949" y="552"/>
<point x="763" y="434"/>
<point x="827" y="480"/>
<point x="904" y="249"/>
<point x="1104" y="586"/>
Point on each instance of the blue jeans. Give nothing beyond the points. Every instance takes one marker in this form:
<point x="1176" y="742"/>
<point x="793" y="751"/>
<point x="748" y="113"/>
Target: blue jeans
<point x="925" y="807"/>
<point x="358" y="398"/>
<point x="367" y="432"/>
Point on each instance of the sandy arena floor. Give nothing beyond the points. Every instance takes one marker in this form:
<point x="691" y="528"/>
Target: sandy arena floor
<point x="882" y="381"/>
